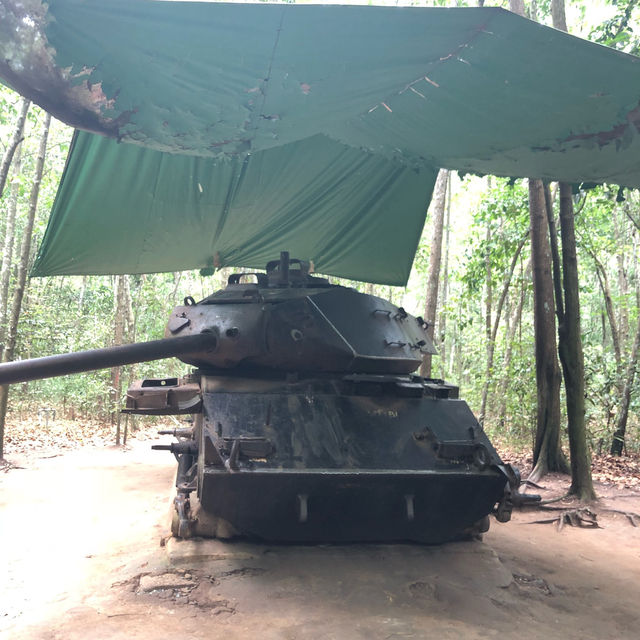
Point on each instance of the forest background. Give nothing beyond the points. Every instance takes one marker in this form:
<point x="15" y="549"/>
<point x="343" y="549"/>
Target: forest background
<point x="484" y="322"/>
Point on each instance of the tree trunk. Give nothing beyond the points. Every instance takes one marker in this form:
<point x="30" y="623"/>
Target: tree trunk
<point x="83" y="291"/>
<point x="623" y="284"/>
<point x="7" y="250"/>
<point x="517" y="6"/>
<point x="16" y="139"/>
<point x="21" y="278"/>
<point x="119" y="319"/>
<point x="131" y="317"/>
<point x="617" y="442"/>
<point x="431" y="302"/>
<point x="442" y="328"/>
<point x="556" y="270"/>
<point x="506" y="363"/>
<point x="571" y="354"/>
<point x="558" y="17"/>
<point x="603" y="280"/>
<point x="488" y="301"/>
<point x="547" y="455"/>
<point x="569" y="330"/>
<point x="177" y="276"/>
<point x="487" y="320"/>
<point x="493" y="331"/>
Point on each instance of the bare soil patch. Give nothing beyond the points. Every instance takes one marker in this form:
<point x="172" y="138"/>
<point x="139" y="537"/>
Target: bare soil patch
<point x="619" y="472"/>
<point x="48" y="434"/>
<point x="82" y="535"/>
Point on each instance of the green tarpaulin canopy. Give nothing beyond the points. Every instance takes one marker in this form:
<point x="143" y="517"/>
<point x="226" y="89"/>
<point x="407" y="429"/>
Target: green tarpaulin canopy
<point x="229" y="132"/>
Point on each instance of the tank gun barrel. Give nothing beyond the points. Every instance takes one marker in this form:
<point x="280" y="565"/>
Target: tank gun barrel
<point x="60" y="365"/>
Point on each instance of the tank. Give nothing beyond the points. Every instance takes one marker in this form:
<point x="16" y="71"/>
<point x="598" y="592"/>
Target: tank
<point x="308" y="423"/>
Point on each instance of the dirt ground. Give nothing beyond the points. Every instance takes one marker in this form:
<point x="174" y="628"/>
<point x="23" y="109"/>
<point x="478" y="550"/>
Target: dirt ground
<point x="80" y="534"/>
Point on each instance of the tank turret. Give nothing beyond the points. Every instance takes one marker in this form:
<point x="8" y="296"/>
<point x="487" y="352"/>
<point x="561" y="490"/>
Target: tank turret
<point x="289" y="320"/>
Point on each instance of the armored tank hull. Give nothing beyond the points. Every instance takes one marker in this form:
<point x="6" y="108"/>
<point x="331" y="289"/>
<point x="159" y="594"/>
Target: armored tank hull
<point x="356" y="458"/>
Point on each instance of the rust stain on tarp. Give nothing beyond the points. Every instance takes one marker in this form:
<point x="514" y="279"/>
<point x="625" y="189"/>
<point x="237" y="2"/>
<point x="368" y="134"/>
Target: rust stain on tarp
<point x="78" y="105"/>
<point x="27" y="65"/>
<point x="619" y="133"/>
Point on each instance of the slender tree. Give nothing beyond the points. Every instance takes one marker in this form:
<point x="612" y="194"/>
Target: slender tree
<point x="488" y="305"/>
<point x="119" y="320"/>
<point x="517" y="6"/>
<point x="605" y="287"/>
<point x="493" y="329"/>
<point x="442" y="320"/>
<point x="626" y="383"/>
<point x="16" y="139"/>
<point x="623" y="281"/>
<point x="8" y="244"/>
<point x="571" y="353"/>
<point x="510" y="339"/>
<point x="617" y="442"/>
<point x="431" y="301"/>
<point x="547" y="455"/>
<point x="21" y="279"/>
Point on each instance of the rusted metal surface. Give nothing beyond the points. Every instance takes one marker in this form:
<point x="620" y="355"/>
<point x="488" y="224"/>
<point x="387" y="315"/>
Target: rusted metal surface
<point x="164" y="397"/>
<point x="303" y="325"/>
<point x="326" y="458"/>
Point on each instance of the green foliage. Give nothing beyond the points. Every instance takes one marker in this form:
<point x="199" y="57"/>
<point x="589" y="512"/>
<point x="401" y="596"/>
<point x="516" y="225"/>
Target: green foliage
<point x="504" y="213"/>
<point x="619" y="31"/>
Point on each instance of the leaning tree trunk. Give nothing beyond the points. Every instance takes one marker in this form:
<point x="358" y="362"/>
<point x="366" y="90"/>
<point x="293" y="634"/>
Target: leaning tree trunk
<point x="493" y="330"/>
<point x="431" y="302"/>
<point x="605" y="288"/>
<point x="506" y="362"/>
<point x="547" y="455"/>
<point x="16" y="139"/>
<point x="7" y="248"/>
<point x="21" y="279"/>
